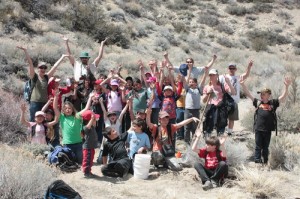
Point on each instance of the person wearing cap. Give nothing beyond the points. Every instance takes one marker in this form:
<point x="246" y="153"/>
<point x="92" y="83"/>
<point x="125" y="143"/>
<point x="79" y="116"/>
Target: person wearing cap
<point x="139" y="95"/>
<point x="216" y="114"/>
<point x="38" y="129"/>
<point x="161" y="136"/>
<point x="53" y="84"/>
<point x="115" y="147"/>
<point x="196" y="72"/>
<point x="265" y="118"/>
<point x="39" y="80"/>
<point x="82" y="67"/>
<point x="234" y="79"/>
<point x="90" y="141"/>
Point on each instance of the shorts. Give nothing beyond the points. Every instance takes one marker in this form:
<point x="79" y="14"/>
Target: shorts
<point x="235" y="115"/>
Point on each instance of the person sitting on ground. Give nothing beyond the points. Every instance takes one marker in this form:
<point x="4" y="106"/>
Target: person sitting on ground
<point x="164" y="135"/>
<point x="39" y="95"/>
<point x="38" y="129"/>
<point x="214" y="154"/>
<point x="120" y="164"/>
<point x="265" y="118"/>
<point x="137" y="141"/>
<point x="90" y="141"/>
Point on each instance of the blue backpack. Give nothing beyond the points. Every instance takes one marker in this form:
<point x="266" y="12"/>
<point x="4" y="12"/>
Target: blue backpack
<point x="64" y="158"/>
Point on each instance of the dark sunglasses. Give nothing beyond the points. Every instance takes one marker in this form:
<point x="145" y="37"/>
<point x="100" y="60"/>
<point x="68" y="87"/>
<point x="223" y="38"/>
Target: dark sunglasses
<point x="43" y="67"/>
<point x="189" y="62"/>
<point x="232" y="68"/>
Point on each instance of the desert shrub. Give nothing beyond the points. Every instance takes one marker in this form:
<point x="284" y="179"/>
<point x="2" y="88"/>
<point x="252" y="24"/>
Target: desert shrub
<point x="255" y="1"/>
<point x="39" y="8"/>
<point x="283" y="15"/>
<point x="36" y="149"/>
<point x="288" y="118"/>
<point x="248" y="120"/>
<point x="224" y="41"/>
<point x="298" y="31"/>
<point x="297" y="51"/>
<point x="296" y="44"/>
<point x="178" y="5"/>
<point x="222" y="27"/>
<point x="259" y="44"/>
<point x="22" y="176"/>
<point x="11" y="131"/>
<point x="132" y="8"/>
<point x="117" y="15"/>
<point x="261" y="184"/>
<point x="180" y="27"/>
<point x="237" y="153"/>
<point x="207" y="19"/>
<point x="223" y="1"/>
<point x="284" y="151"/>
<point x="261" y="8"/>
<point x="162" y="44"/>
<point x="236" y="10"/>
<point x="251" y="17"/>
<point x="245" y="43"/>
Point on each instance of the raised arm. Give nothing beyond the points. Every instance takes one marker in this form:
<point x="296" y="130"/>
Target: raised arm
<point x="90" y="123"/>
<point x="71" y="58"/>
<point x="22" y="118"/>
<point x="31" y="69"/>
<point x="247" y="73"/>
<point x="45" y="107"/>
<point x="211" y="63"/>
<point x="142" y="70"/>
<point x="100" y="54"/>
<point x="287" y="83"/>
<point x="198" y="134"/>
<point x="103" y="109"/>
<point x="185" y="122"/>
<point x="55" y="108"/>
<point x="148" y="118"/>
<point x="123" y="112"/>
<point x="246" y="91"/>
<point x="204" y="76"/>
<point x="53" y="69"/>
<point x="222" y="145"/>
<point x="88" y="104"/>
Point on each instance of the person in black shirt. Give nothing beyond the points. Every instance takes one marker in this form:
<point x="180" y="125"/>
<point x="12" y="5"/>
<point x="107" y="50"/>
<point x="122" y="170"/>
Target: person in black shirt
<point x="120" y="163"/>
<point x="264" y="122"/>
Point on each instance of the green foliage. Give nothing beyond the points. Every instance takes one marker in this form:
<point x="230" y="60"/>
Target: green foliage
<point x="180" y="27"/>
<point x="259" y="44"/>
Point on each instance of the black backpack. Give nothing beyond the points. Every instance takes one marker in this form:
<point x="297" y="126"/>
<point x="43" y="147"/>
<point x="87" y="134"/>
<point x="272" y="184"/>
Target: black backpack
<point x="60" y="190"/>
<point x="228" y="101"/>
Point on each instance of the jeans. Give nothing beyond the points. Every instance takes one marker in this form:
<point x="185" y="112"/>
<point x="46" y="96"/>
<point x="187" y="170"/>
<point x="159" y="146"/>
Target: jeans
<point x="77" y="149"/>
<point x="262" y="142"/>
<point x="212" y="174"/>
<point x="191" y="127"/>
<point x="99" y="128"/>
<point x="154" y="115"/>
<point x="34" y="107"/>
<point x="180" y="118"/>
<point x="117" y="168"/>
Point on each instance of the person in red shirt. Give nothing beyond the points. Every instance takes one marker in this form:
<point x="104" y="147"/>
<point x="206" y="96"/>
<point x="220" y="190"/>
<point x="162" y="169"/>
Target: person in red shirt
<point x="52" y="85"/>
<point x="214" y="154"/>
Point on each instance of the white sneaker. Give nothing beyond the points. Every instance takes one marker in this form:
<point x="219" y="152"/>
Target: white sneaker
<point x="207" y="185"/>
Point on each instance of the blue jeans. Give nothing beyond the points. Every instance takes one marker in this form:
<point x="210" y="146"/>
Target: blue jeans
<point x="180" y="118"/>
<point x="262" y="142"/>
<point x="34" y="107"/>
<point x="77" y="149"/>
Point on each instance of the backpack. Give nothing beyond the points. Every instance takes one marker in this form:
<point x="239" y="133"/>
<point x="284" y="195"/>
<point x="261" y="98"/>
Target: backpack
<point x="273" y="110"/>
<point x="60" y="190"/>
<point x="64" y="158"/>
<point x="29" y="86"/>
<point x="228" y="101"/>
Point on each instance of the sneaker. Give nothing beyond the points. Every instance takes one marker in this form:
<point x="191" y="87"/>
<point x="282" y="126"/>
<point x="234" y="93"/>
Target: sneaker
<point x="258" y="161"/>
<point x="89" y="175"/>
<point x="207" y="185"/>
<point x="214" y="183"/>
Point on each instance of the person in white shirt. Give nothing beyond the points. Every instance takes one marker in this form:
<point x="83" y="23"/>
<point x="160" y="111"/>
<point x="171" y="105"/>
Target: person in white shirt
<point x="234" y="79"/>
<point x="82" y="67"/>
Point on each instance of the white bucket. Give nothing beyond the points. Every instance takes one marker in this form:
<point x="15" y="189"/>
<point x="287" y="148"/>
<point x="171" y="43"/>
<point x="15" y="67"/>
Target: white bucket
<point x="141" y="166"/>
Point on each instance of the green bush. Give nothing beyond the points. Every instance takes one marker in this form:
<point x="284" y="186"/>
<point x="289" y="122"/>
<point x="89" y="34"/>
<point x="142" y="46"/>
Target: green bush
<point x="132" y="8"/>
<point x="259" y="44"/>
<point x="180" y="27"/>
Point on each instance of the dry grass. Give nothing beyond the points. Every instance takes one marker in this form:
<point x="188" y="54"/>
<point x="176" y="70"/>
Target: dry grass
<point x="22" y="176"/>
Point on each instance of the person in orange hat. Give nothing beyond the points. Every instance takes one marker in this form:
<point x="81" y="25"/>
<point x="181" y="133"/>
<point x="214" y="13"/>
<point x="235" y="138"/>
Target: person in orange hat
<point x="90" y="141"/>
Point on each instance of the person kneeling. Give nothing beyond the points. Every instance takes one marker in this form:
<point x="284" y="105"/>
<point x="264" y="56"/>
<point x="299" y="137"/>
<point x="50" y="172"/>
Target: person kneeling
<point x="215" y="167"/>
<point x="120" y="164"/>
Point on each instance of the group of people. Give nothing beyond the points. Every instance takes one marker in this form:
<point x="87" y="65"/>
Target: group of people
<point x="136" y="115"/>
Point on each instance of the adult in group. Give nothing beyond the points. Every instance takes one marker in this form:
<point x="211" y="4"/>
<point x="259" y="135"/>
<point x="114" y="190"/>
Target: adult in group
<point x="215" y="113"/>
<point x="82" y="67"/>
<point x="234" y="79"/>
<point x="39" y="95"/>
<point x="115" y="147"/>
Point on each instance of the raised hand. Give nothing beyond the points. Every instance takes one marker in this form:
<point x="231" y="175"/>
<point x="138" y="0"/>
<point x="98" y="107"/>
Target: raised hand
<point x="23" y="107"/>
<point x="166" y="55"/>
<point x="148" y="111"/>
<point x="22" y="48"/>
<point x="198" y="132"/>
<point x="222" y="139"/>
<point x="215" y="57"/>
<point x="250" y="63"/>
<point x="287" y="81"/>
<point x="66" y="39"/>
<point x="242" y="80"/>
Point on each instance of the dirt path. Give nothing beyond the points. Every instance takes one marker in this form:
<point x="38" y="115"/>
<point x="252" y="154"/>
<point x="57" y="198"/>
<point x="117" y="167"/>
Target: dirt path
<point x="167" y="185"/>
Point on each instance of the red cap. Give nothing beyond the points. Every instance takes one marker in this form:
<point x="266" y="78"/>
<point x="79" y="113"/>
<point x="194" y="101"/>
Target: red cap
<point x="151" y="79"/>
<point x="87" y="115"/>
<point x="98" y="81"/>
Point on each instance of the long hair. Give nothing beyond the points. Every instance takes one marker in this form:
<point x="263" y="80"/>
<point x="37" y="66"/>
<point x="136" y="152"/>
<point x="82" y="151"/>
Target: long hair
<point x="74" y="111"/>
